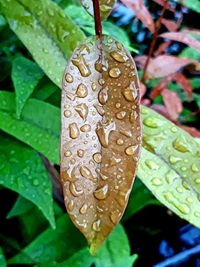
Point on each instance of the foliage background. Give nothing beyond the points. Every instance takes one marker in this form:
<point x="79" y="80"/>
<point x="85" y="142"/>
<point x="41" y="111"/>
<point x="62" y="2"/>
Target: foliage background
<point x="37" y="37"/>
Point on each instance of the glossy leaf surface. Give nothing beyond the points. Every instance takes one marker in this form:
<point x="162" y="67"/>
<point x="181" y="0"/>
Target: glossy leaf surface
<point x="101" y="135"/>
<point x="106" y="7"/>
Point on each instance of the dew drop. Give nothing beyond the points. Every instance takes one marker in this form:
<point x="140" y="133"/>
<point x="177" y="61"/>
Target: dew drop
<point x="119" y="56"/>
<point x="103" y="96"/>
<point x="86" y="128"/>
<point x="69" y="78"/>
<point x="85" y="172"/>
<point x="151" y="165"/>
<point x="68" y="153"/>
<point x="73" y="130"/>
<point x="82" y="91"/>
<point x="180" y="145"/>
<point x="83" y="209"/>
<point x="75" y="192"/>
<point x="120" y="141"/>
<point x="114" y="217"/>
<point x="99" y="109"/>
<point x="121" y="115"/>
<point x="131" y="150"/>
<point x="114" y="72"/>
<point x="80" y="153"/>
<point x="173" y="159"/>
<point x="97" y="157"/>
<point x="67" y="113"/>
<point x="156" y="181"/>
<point x="82" y="110"/>
<point x="80" y="63"/>
<point x="96" y="225"/>
<point x="70" y="205"/>
<point x="101" y="193"/>
<point x="194" y="168"/>
<point x="130" y="93"/>
<point x="152" y="122"/>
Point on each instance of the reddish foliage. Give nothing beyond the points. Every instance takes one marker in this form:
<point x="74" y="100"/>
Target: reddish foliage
<point x="162" y="48"/>
<point x="142" y="89"/>
<point x="141" y="12"/>
<point x="161" y="85"/>
<point x="182" y="37"/>
<point x="172" y="103"/>
<point x="171" y="25"/>
<point x="185" y="83"/>
<point x="191" y="130"/>
<point x="164" y="65"/>
<point x="162" y="110"/>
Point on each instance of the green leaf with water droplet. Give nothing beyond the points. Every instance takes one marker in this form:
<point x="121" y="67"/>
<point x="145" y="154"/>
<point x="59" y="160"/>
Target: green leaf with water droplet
<point x="20" y="207"/>
<point x="52" y="245"/>
<point x="48" y="40"/>
<point x="82" y="258"/>
<point x="25" y="75"/>
<point x="115" y="251"/>
<point x="23" y="172"/>
<point x="106" y="7"/>
<point x="2" y="259"/>
<point x="38" y="129"/>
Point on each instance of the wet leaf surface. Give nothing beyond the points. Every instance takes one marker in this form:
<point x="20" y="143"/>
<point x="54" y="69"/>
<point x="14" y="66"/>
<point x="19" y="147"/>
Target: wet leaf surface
<point x="106" y="7"/>
<point x="101" y="135"/>
<point x="2" y="259"/>
<point x="23" y="172"/>
<point x="25" y="76"/>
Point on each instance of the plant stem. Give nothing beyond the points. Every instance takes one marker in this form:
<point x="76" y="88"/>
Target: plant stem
<point x="153" y="43"/>
<point x="97" y="18"/>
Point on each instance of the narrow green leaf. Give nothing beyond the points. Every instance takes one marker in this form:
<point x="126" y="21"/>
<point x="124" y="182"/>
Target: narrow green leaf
<point x="44" y="90"/>
<point x="20" y="207"/>
<point x="80" y="259"/>
<point x="25" y="75"/>
<point x="115" y="251"/>
<point x="23" y="172"/>
<point x="38" y="129"/>
<point x="46" y="31"/>
<point x="52" y="245"/>
<point x="2" y="259"/>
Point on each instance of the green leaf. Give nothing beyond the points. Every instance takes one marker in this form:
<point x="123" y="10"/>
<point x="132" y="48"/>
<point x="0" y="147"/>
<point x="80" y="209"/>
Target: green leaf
<point x="20" y="207"/>
<point x="140" y="197"/>
<point x="52" y="245"/>
<point x="46" y="31"/>
<point x="80" y="259"/>
<point x="115" y="251"/>
<point x="2" y="259"/>
<point x="44" y="90"/>
<point x="169" y="165"/>
<point x="38" y="129"/>
<point x="23" y="172"/>
<point x="25" y="75"/>
<point x="192" y="4"/>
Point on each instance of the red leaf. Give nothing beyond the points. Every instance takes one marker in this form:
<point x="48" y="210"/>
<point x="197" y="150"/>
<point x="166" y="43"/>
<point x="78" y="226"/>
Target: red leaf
<point x="182" y="37"/>
<point x="171" y="25"/>
<point x="141" y="12"/>
<point x="165" y="65"/>
<point x="185" y="83"/>
<point x="191" y="130"/>
<point x="172" y="102"/>
<point x="162" y="3"/>
<point x="162" y="48"/>
<point x="161" y="85"/>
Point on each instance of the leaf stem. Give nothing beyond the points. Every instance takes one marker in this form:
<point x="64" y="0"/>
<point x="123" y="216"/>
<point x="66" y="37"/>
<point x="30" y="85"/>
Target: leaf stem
<point x="153" y="43"/>
<point x="97" y="18"/>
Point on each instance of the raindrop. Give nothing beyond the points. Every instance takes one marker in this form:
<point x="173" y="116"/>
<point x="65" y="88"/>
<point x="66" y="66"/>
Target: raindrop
<point x="97" y="157"/>
<point x="86" y="128"/>
<point x="82" y="110"/>
<point x="73" y="130"/>
<point x="80" y="63"/>
<point x="101" y="193"/>
<point x="83" y="209"/>
<point x="69" y="78"/>
<point x="85" y="172"/>
<point x="114" y="72"/>
<point x="96" y="225"/>
<point x="131" y="150"/>
<point x="82" y="91"/>
<point x="75" y="192"/>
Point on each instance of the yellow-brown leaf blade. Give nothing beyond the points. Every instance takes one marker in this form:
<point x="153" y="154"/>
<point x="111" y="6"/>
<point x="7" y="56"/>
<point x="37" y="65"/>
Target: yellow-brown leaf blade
<point x="101" y="135"/>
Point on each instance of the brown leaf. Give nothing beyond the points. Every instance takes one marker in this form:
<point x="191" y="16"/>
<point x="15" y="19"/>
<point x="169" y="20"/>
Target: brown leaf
<point x="172" y="102"/>
<point x="101" y="135"/>
<point x="191" y="130"/>
<point x="162" y="3"/>
<point x="171" y="25"/>
<point x="185" y="83"/>
<point x="164" y="65"/>
<point x="106" y="7"/>
<point x="182" y="37"/>
<point x="141" y="12"/>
